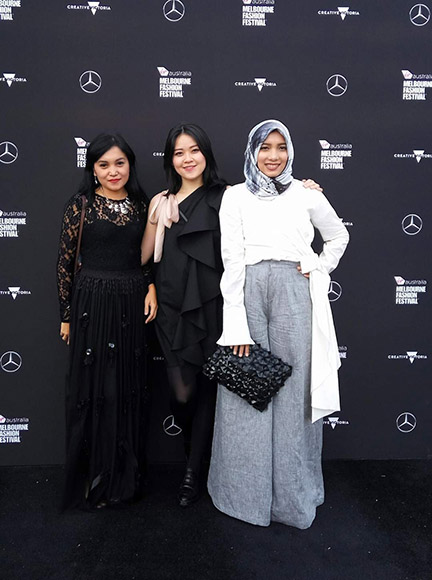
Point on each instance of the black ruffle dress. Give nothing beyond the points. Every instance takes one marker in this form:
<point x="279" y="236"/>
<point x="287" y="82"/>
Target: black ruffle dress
<point x="106" y="390"/>
<point x="189" y="320"/>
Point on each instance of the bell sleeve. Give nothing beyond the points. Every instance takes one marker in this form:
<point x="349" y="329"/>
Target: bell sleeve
<point x="235" y="326"/>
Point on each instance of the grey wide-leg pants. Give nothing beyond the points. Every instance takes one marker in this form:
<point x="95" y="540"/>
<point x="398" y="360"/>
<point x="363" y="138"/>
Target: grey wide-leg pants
<point x="267" y="466"/>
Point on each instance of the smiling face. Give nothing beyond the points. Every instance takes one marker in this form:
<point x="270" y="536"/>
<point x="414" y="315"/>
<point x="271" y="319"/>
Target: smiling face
<point x="188" y="161"/>
<point x="112" y="171"/>
<point x="273" y="155"/>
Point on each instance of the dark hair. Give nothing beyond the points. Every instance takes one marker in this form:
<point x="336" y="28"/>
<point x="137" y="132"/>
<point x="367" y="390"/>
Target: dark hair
<point x="211" y="175"/>
<point x="98" y="147"/>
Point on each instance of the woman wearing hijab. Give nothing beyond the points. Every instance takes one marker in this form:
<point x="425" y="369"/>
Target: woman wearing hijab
<point x="267" y="466"/>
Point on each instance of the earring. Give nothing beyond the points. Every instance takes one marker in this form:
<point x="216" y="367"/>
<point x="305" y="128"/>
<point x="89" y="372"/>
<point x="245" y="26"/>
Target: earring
<point x="96" y="180"/>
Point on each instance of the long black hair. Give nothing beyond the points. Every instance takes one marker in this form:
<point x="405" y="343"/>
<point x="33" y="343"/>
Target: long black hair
<point x="211" y="175"/>
<point x="98" y="147"/>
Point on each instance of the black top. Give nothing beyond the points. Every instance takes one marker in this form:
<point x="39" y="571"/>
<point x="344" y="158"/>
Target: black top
<point x="111" y="241"/>
<point x="189" y="319"/>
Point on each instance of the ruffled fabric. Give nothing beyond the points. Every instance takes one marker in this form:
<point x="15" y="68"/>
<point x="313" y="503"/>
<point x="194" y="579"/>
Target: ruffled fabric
<point x="189" y="320"/>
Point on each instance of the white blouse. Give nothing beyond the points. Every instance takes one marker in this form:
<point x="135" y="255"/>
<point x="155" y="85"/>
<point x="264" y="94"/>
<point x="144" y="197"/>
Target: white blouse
<point x="282" y="228"/>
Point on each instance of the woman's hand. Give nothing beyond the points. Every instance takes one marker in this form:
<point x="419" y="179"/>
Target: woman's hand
<point x="65" y="331"/>
<point x="150" y="304"/>
<point x="305" y="275"/>
<point x="241" y="349"/>
<point x="310" y="184"/>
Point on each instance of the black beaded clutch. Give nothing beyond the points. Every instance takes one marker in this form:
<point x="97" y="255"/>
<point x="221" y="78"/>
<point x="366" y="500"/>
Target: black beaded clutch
<point x="255" y="378"/>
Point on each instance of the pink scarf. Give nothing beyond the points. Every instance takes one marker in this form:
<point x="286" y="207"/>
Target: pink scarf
<point x="164" y="213"/>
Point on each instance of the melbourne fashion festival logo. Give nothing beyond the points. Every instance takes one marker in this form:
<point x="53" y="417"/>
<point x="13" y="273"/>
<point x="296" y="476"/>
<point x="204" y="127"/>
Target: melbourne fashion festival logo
<point x="417" y="154"/>
<point x="407" y="291"/>
<point x="419" y="14"/>
<point x="343" y="352"/>
<point x="172" y="83"/>
<point x="342" y="12"/>
<point x="10" y="222"/>
<point x="412" y="224"/>
<point x="174" y="10"/>
<point x="333" y="422"/>
<point x="334" y="291"/>
<point x="414" y="86"/>
<point x="7" y="8"/>
<point x="255" y="12"/>
<point x="258" y="82"/>
<point x="8" y="152"/>
<point x="411" y="356"/>
<point x="11" y="429"/>
<point x="10" y="361"/>
<point x="11" y="78"/>
<point x="406" y="422"/>
<point x="93" y="7"/>
<point x="337" y="85"/>
<point x="333" y="156"/>
<point x="14" y="291"/>
<point x="81" y="152"/>
<point x="90" y="81"/>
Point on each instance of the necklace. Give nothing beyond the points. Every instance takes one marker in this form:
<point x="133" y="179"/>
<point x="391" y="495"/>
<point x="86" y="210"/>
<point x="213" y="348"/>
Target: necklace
<point x="122" y="206"/>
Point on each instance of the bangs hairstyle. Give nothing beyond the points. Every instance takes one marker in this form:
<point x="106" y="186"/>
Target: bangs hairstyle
<point x="211" y="175"/>
<point x="98" y="147"/>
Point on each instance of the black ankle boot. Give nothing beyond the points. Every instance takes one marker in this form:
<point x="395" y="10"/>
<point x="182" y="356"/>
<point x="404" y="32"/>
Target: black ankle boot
<point x="189" y="488"/>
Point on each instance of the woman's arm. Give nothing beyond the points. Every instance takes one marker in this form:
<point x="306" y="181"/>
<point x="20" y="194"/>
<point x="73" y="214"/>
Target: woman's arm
<point x="148" y="241"/>
<point x="235" y="326"/>
<point x="66" y="262"/>
<point x="334" y="234"/>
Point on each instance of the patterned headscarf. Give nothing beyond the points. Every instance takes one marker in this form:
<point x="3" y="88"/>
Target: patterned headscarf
<point x="258" y="183"/>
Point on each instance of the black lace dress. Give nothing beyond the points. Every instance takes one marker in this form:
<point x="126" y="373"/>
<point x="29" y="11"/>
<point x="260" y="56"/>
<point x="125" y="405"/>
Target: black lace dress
<point x="106" y="391"/>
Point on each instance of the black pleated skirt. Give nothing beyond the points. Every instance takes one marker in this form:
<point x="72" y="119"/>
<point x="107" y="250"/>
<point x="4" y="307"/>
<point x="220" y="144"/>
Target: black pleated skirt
<point x="107" y="397"/>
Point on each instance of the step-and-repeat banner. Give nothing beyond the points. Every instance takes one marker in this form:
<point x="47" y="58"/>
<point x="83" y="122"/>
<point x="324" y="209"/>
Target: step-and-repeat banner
<point x="353" y="84"/>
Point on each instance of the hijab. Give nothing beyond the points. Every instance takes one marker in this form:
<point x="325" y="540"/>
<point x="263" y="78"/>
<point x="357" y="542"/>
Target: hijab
<point x="256" y="181"/>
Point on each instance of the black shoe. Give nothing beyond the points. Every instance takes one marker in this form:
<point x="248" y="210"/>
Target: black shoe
<point x="189" y="488"/>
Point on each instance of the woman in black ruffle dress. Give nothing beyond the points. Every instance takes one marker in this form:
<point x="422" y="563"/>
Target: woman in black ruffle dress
<point x="103" y="309"/>
<point x="183" y="232"/>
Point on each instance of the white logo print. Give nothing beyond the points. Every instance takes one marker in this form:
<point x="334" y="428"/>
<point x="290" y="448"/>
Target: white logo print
<point x="406" y="422"/>
<point x="419" y="14"/>
<point x="8" y="152"/>
<point x="90" y="81"/>
<point x="412" y="224"/>
<point x="258" y="82"/>
<point x="410" y="355"/>
<point x="337" y="85"/>
<point x="334" y="291"/>
<point x="10" y="78"/>
<point x="15" y="291"/>
<point x="334" y="422"/>
<point x="92" y="6"/>
<point x="174" y="10"/>
<point x="333" y="156"/>
<point x="10" y="361"/>
<point x="170" y="427"/>
<point x="407" y="291"/>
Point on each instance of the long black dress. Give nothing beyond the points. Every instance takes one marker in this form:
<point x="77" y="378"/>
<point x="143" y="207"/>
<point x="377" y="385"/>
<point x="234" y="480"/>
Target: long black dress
<point x="106" y="390"/>
<point x="189" y="320"/>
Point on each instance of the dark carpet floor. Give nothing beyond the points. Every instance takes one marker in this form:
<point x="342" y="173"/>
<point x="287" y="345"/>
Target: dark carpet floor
<point x="375" y="524"/>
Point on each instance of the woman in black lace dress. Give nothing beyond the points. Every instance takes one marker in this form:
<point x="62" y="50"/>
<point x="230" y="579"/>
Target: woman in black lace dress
<point x="103" y="309"/>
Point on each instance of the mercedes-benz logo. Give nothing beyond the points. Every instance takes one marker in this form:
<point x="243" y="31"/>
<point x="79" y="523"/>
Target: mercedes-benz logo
<point x="419" y="14"/>
<point x="337" y="85"/>
<point x="406" y="422"/>
<point x="170" y="427"/>
<point x="90" y="81"/>
<point x="174" y="10"/>
<point x="8" y="152"/>
<point x="412" y="224"/>
<point x="334" y="291"/>
<point x="10" y="361"/>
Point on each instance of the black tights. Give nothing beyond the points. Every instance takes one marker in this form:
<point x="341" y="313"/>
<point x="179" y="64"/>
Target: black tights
<point x="193" y="400"/>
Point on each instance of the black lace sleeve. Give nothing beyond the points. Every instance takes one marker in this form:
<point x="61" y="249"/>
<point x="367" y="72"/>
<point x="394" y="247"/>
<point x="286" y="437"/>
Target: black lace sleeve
<point x="66" y="255"/>
<point x="147" y="271"/>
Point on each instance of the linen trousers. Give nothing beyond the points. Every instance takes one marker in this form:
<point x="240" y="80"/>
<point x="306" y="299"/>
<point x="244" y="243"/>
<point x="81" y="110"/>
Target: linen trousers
<point x="267" y="466"/>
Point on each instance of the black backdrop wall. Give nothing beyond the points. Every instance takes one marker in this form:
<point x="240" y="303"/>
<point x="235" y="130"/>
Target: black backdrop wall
<point x="354" y="85"/>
